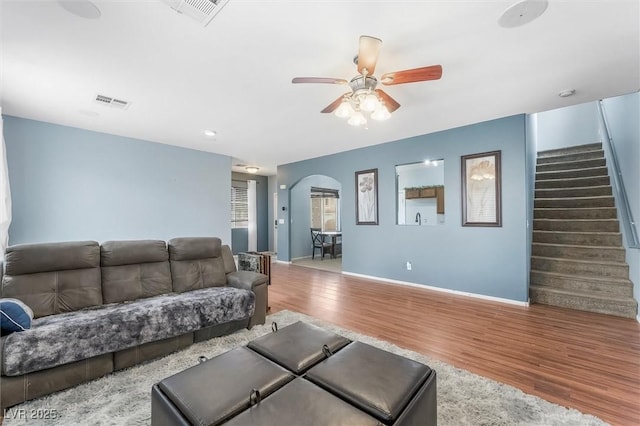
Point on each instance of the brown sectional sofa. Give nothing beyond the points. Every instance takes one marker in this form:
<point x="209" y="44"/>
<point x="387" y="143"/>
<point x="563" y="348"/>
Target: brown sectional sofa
<point x="102" y="308"/>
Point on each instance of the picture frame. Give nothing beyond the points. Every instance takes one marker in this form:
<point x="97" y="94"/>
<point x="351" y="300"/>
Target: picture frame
<point x="481" y="189"/>
<point x="367" y="197"/>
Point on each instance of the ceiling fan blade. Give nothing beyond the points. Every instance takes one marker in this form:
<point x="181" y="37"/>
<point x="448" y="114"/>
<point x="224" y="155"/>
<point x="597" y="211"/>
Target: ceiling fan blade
<point x="333" y="105"/>
<point x="326" y="80"/>
<point x="368" y="53"/>
<point x="389" y="102"/>
<point x="433" y="72"/>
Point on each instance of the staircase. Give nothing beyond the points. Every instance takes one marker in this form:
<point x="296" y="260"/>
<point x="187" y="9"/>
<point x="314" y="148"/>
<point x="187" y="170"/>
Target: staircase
<point x="577" y="258"/>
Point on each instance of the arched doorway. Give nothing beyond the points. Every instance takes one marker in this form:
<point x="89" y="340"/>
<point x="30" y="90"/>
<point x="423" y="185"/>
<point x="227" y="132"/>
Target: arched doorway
<point x="315" y="203"/>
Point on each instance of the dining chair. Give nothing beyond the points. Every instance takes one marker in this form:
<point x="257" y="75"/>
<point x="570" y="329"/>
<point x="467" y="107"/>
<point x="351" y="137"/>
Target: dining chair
<point x="317" y="238"/>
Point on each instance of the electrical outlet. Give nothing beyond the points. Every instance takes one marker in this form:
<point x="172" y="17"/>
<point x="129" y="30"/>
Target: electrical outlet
<point x="408" y="266"/>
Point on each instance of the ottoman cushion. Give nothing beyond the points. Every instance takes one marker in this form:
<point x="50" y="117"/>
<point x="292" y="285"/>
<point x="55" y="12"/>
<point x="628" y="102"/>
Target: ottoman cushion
<point x="298" y="346"/>
<point x="302" y="403"/>
<point x="378" y="382"/>
<point x="217" y="389"/>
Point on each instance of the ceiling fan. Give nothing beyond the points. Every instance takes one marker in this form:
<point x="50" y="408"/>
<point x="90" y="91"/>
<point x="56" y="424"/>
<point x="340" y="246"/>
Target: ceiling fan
<point x="363" y="95"/>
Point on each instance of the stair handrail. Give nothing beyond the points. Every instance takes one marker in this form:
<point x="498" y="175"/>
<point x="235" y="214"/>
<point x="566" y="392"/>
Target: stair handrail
<point x="625" y="209"/>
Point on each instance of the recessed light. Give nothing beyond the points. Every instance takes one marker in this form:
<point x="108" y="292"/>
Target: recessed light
<point x="567" y="93"/>
<point x="522" y="13"/>
<point x="210" y="133"/>
<point x="252" y="169"/>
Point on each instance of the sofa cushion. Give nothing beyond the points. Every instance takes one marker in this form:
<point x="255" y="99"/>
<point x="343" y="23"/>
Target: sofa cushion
<point x="61" y="339"/>
<point x="53" y="278"/>
<point x="14" y="316"/>
<point x="196" y="263"/>
<point x="134" y="270"/>
<point x="50" y="257"/>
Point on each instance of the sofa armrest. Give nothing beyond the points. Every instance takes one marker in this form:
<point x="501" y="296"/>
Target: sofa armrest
<point x="258" y="284"/>
<point x="246" y="280"/>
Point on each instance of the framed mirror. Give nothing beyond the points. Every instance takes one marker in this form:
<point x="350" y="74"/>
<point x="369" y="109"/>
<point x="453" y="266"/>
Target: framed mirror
<point x="420" y="193"/>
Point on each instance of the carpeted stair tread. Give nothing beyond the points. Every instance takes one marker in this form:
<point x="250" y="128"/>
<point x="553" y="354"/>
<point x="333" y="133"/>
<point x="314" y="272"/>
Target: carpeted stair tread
<point x="576" y="225"/>
<point x="581" y="284"/>
<point x="620" y="306"/>
<point x="575" y="156"/>
<point x="574" y="182"/>
<point x="571" y="165"/>
<point x="591" y="267"/>
<point x="596" y="146"/>
<point x="586" y="262"/>
<point x="574" y="192"/>
<point x="574" y="173"/>
<point x="576" y="251"/>
<point x="575" y="213"/>
<point x="602" y="280"/>
<point x="595" y="201"/>
<point x="611" y="239"/>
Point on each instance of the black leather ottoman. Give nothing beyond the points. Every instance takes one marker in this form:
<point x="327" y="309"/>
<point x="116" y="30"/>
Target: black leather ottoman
<point x="393" y="389"/>
<point x="298" y="346"/>
<point x="346" y="383"/>
<point x="215" y="390"/>
<point x="302" y="403"/>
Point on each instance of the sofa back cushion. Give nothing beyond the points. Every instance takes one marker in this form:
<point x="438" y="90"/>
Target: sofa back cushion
<point x="227" y="259"/>
<point x="196" y="263"/>
<point x="134" y="270"/>
<point x="53" y="278"/>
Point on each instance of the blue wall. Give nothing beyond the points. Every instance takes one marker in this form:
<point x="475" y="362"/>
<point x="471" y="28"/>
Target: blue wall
<point x="72" y="184"/>
<point x="574" y="125"/>
<point x="623" y="115"/>
<point x="300" y="210"/>
<point x="486" y="261"/>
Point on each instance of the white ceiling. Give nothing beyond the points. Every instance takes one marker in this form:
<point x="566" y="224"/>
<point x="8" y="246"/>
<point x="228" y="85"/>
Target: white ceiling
<point x="234" y="75"/>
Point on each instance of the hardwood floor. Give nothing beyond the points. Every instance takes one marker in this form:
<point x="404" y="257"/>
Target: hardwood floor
<point x="587" y="361"/>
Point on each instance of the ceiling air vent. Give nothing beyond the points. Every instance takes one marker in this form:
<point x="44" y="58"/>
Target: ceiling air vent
<point x="112" y="102"/>
<point x="202" y="11"/>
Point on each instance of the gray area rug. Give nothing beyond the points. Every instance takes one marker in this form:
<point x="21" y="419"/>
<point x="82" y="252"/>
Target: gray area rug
<point x="124" y="397"/>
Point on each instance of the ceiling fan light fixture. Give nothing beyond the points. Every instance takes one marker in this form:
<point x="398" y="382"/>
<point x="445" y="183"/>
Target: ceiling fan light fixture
<point x="369" y="102"/>
<point x="357" y="119"/>
<point x="344" y="110"/>
<point x="381" y="113"/>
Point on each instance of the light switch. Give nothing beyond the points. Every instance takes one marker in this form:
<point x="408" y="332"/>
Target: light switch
<point x="281" y="221"/>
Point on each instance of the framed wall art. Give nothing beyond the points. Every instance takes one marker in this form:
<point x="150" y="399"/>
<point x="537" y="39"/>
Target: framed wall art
<point x="481" y="189"/>
<point x="367" y="197"/>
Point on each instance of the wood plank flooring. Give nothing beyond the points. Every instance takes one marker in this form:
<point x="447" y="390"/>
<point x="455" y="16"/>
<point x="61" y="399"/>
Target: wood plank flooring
<point x="587" y="361"/>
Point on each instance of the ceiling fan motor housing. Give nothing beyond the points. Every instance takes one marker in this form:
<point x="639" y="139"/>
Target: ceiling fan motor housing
<point x="360" y="83"/>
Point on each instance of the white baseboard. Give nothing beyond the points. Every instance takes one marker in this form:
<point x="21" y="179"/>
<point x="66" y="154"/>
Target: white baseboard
<point x="638" y="318"/>
<point x="284" y="262"/>
<point x="300" y="258"/>
<point x="440" y="289"/>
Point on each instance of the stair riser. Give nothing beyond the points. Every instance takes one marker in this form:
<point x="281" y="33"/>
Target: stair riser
<point x="574" y="202"/>
<point x="562" y="266"/>
<point x="576" y="226"/>
<point x="612" y="240"/>
<point x="596" y="191"/>
<point x="579" y="253"/>
<point x="570" y="150"/>
<point x="581" y="285"/>
<point x="538" y="295"/>
<point x="571" y="165"/>
<point x="589" y="155"/>
<point x="583" y="213"/>
<point x="573" y="183"/>
<point x="570" y="174"/>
